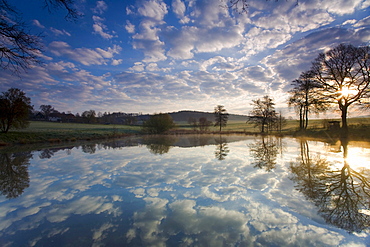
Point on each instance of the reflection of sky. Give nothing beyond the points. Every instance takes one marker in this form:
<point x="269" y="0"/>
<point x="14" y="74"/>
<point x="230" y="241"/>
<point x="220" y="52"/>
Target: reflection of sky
<point x="183" y="198"/>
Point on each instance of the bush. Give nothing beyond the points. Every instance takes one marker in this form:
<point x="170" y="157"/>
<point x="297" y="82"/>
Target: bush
<point x="158" y="123"/>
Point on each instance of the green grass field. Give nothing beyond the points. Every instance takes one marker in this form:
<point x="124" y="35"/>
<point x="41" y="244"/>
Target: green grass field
<point x="49" y="132"/>
<point x="58" y="132"/>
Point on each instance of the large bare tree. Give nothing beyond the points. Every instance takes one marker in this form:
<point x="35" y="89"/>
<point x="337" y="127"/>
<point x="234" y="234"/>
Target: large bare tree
<point x="344" y="73"/>
<point x="19" y="48"/>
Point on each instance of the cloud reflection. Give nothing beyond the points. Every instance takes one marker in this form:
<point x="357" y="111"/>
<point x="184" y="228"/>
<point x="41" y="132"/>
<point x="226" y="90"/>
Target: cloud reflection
<point x="184" y="197"/>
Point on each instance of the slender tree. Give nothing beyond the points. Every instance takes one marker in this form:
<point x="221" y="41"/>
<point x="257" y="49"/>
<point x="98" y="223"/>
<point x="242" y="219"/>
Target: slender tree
<point x="221" y="116"/>
<point x="14" y="110"/>
<point x="344" y="74"/>
<point x="305" y="98"/>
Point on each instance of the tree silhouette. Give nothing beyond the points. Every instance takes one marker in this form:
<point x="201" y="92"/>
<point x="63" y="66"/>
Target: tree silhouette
<point x="158" y="124"/>
<point x="18" y="47"/>
<point x="47" y="110"/>
<point x="304" y="98"/>
<point x="263" y="113"/>
<point x="341" y="195"/>
<point x="14" y="178"/>
<point x="221" y="116"/>
<point x="14" y="110"/>
<point x="344" y="74"/>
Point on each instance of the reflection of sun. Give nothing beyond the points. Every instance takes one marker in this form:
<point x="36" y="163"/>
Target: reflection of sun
<point x="358" y="158"/>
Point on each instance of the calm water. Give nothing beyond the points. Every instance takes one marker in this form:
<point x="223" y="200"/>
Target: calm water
<point x="188" y="191"/>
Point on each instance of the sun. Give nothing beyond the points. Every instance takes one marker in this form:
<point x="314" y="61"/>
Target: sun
<point x="347" y="92"/>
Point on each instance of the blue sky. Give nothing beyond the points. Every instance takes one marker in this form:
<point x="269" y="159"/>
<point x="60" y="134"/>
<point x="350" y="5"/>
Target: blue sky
<point x="162" y="56"/>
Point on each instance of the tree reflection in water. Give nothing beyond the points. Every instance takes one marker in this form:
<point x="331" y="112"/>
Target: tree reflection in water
<point x="221" y="148"/>
<point x="264" y="152"/>
<point x="159" y="144"/>
<point x="14" y="178"/>
<point x="341" y="195"/>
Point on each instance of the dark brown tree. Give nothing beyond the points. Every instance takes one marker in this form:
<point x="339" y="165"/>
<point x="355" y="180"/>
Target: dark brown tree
<point x="221" y="116"/>
<point x="263" y="114"/>
<point x="14" y="110"/>
<point x="46" y="110"/>
<point x="204" y="124"/>
<point x="158" y="123"/>
<point x="305" y="98"/>
<point x="344" y="74"/>
<point x="89" y="116"/>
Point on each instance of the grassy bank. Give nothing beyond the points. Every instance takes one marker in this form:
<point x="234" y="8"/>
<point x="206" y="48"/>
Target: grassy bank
<point x="48" y="132"/>
<point x="39" y="132"/>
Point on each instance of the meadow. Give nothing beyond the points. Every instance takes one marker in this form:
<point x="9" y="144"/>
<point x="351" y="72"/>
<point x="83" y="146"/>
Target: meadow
<point x="50" y="132"/>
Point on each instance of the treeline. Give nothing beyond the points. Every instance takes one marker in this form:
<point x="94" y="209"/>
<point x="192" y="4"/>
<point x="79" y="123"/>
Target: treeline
<point x="49" y="113"/>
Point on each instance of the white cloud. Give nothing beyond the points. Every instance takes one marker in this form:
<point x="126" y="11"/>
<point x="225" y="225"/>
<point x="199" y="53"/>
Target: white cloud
<point x="99" y="27"/>
<point x="179" y="9"/>
<point x="116" y="62"/>
<point x="130" y="28"/>
<point x="148" y="41"/>
<point x="154" y="9"/>
<point x="84" y="56"/>
<point x="100" y="7"/>
<point x="59" y="32"/>
<point x="38" y="24"/>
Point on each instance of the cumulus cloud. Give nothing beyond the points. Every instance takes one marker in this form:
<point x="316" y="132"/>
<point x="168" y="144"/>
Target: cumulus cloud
<point x="84" y="56"/>
<point x="153" y="9"/>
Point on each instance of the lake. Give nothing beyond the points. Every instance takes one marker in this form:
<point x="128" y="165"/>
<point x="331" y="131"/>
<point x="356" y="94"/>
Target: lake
<point x="188" y="191"/>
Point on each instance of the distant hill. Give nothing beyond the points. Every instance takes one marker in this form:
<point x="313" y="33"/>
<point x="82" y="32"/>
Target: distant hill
<point x="183" y="116"/>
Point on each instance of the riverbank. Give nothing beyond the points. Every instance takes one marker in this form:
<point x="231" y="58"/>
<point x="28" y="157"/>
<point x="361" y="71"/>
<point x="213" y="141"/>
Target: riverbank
<point x="48" y="132"/>
<point x="53" y="133"/>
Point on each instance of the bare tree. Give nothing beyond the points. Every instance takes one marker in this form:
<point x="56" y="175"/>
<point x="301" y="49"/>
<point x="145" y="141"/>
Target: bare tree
<point x="305" y="98"/>
<point x="344" y="73"/>
<point x="263" y="113"/>
<point x="19" y="49"/>
<point x="204" y="124"/>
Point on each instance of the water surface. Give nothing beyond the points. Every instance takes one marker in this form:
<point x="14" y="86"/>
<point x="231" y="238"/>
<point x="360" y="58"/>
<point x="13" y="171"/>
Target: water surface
<point x="188" y="191"/>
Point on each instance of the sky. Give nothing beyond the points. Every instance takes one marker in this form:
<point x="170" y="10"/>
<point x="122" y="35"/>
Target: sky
<point x="154" y="56"/>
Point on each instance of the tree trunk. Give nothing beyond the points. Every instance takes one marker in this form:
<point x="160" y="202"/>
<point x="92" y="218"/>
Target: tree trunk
<point x="306" y="116"/>
<point x="344" y="117"/>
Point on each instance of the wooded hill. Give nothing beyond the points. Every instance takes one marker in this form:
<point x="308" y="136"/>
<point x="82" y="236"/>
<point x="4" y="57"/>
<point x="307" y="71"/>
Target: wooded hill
<point x="183" y="116"/>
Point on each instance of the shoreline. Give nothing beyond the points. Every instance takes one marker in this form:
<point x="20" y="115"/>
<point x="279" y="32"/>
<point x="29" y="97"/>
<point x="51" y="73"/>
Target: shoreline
<point x="47" y="133"/>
